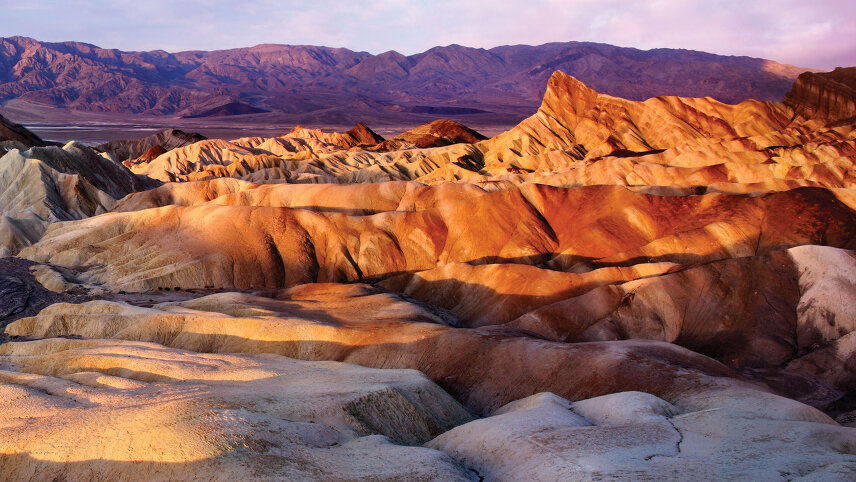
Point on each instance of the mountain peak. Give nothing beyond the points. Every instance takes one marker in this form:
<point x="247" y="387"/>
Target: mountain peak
<point x="566" y="92"/>
<point x="364" y="135"/>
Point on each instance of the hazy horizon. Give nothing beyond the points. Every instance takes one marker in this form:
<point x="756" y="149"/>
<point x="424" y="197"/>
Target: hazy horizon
<point x="815" y="35"/>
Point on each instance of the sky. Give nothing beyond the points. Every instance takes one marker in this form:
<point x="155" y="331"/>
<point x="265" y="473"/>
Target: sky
<point x="817" y="34"/>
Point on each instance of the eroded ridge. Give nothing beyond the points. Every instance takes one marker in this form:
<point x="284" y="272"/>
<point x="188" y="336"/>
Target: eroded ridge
<point x="658" y="289"/>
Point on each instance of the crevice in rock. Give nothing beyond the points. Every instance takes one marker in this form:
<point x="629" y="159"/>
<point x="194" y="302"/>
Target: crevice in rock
<point x="677" y="444"/>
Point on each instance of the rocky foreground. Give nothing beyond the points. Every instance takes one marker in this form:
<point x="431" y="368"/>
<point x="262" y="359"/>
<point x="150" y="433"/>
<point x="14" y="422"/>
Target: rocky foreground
<point x="611" y="289"/>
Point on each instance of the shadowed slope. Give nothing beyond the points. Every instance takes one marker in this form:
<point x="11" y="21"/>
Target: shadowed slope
<point x="829" y="95"/>
<point x="359" y="324"/>
<point x="165" y="140"/>
<point x="246" y="247"/>
<point x="10" y="131"/>
<point x="43" y="185"/>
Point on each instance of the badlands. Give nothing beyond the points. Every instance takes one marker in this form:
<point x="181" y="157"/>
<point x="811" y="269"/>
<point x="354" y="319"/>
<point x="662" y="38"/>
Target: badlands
<point x="612" y="289"/>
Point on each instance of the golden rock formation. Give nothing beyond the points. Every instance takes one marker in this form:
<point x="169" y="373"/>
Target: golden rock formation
<point x="246" y="247"/>
<point x="360" y="324"/>
<point x="577" y="137"/>
<point x="613" y="288"/>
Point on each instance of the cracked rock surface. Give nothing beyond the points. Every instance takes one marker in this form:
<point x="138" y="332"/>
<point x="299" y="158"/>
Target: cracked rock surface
<point x="14" y="294"/>
<point x="638" y="436"/>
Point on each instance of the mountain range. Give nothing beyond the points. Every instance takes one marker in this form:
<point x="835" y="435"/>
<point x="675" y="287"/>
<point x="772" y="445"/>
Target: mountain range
<point x="322" y="85"/>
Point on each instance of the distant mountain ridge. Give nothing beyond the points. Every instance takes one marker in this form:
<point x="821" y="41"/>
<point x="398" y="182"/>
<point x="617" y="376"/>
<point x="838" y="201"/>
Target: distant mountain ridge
<point x="321" y="84"/>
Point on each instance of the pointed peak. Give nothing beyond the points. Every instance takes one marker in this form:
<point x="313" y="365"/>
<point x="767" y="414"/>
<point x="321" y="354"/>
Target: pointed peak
<point x="566" y="82"/>
<point x="364" y="135"/>
<point x="453" y="129"/>
<point x="567" y="92"/>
